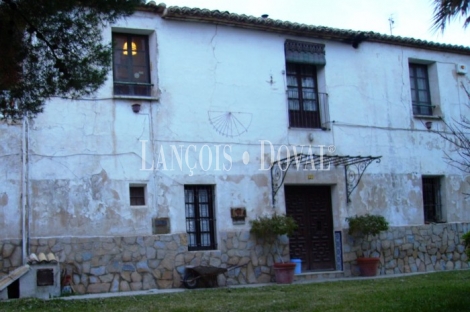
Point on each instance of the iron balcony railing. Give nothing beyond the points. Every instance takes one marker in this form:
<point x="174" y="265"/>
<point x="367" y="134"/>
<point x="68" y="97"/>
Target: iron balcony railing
<point x="308" y="110"/>
<point x="132" y="88"/>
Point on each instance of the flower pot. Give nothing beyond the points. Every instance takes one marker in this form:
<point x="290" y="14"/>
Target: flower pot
<point x="284" y="272"/>
<point x="368" y="266"/>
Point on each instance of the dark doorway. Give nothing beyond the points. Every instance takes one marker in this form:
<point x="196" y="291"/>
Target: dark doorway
<point x="14" y="290"/>
<point x="313" y="242"/>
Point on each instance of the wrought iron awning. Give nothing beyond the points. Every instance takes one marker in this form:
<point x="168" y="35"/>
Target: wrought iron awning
<point x="354" y="167"/>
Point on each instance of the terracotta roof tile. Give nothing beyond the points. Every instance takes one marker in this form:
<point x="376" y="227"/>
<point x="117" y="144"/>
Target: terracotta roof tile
<point x="291" y="28"/>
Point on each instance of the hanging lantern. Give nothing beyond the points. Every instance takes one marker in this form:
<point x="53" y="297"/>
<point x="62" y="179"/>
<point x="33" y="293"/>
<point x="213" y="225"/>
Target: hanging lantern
<point x="134" y="48"/>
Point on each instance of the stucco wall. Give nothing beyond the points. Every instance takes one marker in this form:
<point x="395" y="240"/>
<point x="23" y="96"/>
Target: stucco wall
<point x="11" y="180"/>
<point x="83" y="154"/>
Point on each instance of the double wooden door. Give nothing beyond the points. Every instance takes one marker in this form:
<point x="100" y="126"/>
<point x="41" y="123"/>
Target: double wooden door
<point x="313" y="242"/>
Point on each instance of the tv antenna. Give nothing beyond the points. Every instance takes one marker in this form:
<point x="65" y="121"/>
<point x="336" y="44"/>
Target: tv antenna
<point x="391" y="23"/>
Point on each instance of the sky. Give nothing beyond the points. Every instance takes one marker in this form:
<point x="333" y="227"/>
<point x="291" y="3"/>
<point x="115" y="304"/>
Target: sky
<point x="412" y="18"/>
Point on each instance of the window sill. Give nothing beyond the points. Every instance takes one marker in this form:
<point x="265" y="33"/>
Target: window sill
<point x="136" y="97"/>
<point x="203" y="249"/>
<point x="434" y="222"/>
<point x="139" y="207"/>
<point x="308" y="129"/>
<point x="433" y="117"/>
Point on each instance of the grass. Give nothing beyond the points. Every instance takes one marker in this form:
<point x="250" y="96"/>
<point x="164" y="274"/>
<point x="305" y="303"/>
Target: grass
<point x="445" y="291"/>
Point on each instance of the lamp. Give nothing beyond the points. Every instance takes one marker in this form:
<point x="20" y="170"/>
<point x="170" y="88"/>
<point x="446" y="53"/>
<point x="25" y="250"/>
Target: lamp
<point x="134" y="48"/>
<point x="136" y="107"/>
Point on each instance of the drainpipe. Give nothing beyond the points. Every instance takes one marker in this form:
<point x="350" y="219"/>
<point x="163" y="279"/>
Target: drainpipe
<point x="24" y="195"/>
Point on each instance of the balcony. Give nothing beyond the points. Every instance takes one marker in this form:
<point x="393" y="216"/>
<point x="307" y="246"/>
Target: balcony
<point x="311" y="111"/>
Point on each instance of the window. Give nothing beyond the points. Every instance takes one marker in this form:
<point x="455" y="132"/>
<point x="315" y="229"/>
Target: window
<point x="200" y="221"/>
<point x="302" y="96"/>
<point x="137" y="195"/>
<point x="432" y="199"/>
<point x="307" y="107"/>
<point x="131" y="68"/>
<point x="420" y="93"/>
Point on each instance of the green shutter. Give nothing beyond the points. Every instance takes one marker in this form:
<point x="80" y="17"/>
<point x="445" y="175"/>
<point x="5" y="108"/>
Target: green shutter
<point x="305" y="52"/>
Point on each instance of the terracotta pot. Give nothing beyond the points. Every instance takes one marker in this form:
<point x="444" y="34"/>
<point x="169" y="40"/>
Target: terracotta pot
<point x="368" y="266"/>
<point x="284" y="272"/>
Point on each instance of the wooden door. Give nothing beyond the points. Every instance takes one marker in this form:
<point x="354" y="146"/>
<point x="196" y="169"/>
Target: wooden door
<point x="313" y="242"/>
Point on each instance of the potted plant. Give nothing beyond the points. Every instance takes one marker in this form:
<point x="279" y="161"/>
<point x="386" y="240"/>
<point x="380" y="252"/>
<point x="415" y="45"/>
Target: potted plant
<point x="269" y="229"/>
<point x="363" y="226"/>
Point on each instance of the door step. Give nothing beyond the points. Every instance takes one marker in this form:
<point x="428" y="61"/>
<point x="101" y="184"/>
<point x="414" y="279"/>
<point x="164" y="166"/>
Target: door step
<point x="318" y="276"/>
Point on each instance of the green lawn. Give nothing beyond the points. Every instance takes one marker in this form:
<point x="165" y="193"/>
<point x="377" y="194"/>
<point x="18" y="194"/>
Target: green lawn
<point x="445" y="291"/>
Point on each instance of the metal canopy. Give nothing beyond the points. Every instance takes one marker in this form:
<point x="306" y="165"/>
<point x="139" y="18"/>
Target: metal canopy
<point x="354" y="167"/>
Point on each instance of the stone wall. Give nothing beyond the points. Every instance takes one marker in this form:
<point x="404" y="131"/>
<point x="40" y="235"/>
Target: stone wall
<point x="10" y="256"/>
<point x="410" y="249"/>
<point x="111" y="264"/>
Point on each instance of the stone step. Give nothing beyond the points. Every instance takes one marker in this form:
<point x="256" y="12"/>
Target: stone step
<point x="318" y="276"/>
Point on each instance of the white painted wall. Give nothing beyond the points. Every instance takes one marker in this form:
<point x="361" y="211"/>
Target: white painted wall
<point x="84" y="153"/>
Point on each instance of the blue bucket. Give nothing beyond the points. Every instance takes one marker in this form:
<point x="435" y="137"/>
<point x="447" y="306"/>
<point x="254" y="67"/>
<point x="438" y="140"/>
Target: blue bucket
<point x="298" y="265"/>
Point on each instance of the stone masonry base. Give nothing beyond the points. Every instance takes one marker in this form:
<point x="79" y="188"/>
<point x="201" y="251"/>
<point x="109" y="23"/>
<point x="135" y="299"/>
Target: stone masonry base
<point x="112" y="264"/>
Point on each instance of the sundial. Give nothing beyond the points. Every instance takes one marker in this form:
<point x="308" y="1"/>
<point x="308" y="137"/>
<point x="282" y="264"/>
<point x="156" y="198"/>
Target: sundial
<point x="230" y="124"/>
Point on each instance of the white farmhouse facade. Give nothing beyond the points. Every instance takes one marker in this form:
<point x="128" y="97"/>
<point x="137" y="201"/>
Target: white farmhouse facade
<point x="126" y="196"/>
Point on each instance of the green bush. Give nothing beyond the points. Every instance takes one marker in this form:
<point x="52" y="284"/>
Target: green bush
<point x="466" y="241"/>
<point x="271" y="227"/>
<point x="367" y="224"/>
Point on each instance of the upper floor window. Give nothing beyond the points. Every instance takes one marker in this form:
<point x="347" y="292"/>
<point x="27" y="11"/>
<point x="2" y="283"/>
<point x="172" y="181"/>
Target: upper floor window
<point x="420" y="92"/>
<point x="308" y="108"/>
<point x="131" y="70"/>
<point x="302" y="95"/>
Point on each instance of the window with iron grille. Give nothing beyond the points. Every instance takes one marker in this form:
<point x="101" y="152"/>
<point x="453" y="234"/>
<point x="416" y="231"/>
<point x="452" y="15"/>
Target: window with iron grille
<point x="420" y="92"/>
<point x="200" y="222"/>
<point x="137" y="195"/>
<point x="432" y="200"/>
<point x="308" y="108"/>
<point x="302" y="94"/>
<point x="131" y="70"/>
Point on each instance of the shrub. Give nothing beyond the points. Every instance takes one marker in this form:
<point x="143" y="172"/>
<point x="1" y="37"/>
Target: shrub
<point x="271" y="227"/>
<point x="466" y="241"/>
<point x="367" y="225"/>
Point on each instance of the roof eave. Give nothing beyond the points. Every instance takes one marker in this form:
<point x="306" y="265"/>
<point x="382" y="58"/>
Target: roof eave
<point x="352" y="37"/>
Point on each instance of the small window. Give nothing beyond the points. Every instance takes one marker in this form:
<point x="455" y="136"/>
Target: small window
<point x="131" y="70"/>
<point x="420" y="92"/>
<point x="45" y="277"/>
<point x="200" y="223"/>
<point x="432" y="200"/>
<point x="137" y="195"/>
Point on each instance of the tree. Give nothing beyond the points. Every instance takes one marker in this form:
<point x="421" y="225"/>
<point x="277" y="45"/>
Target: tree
<point x="457" y="131"/>
<point x="53" y="48"/>
<point x="446" y="10"/>
<point x="457" y="134"/>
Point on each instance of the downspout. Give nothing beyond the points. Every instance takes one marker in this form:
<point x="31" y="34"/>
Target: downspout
<point x="24" y="195"/>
